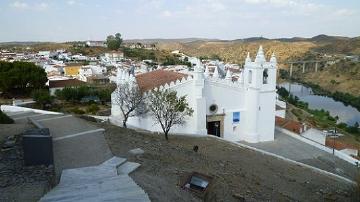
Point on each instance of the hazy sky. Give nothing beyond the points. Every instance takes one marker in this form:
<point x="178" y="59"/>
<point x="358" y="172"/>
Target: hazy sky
<point x="64" y="20"/>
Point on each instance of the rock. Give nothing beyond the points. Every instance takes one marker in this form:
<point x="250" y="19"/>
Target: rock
<point x="147" y="142"/>
<point x="239" y="197"/>
<point x="136" y="151"/>
<point x="9" y="144"/>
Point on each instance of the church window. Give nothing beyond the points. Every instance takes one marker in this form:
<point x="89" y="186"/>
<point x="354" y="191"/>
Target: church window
<point x="213" y="108"/>
<point x="250" y="76"/>
<point x="265" y="76"/>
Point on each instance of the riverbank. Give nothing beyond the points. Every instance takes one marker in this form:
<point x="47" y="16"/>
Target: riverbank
<point x="345" y="98"/>
<point x="318" y="118"/>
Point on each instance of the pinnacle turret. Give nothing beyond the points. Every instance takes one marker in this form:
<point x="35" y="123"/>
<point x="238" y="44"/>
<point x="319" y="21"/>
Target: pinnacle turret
<point x="248" y="59"/>
<point x="216" y="73"/>
<point x="260" y="57"/>
<point x="228" y="75"/>
<point x="206" y="74"/>
<point x="273" y="58"/>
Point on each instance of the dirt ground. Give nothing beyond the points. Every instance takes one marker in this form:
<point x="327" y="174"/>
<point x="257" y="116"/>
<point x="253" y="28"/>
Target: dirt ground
<point x="19" y="183"/>
<point x="239" y="174"/>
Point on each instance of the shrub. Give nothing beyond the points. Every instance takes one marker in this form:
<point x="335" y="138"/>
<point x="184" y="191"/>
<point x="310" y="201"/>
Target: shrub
<point x="77" y="111"/>
<point x="92" y="109"/>
<point x="4" y="119"/>
<point x="42" y="97"/>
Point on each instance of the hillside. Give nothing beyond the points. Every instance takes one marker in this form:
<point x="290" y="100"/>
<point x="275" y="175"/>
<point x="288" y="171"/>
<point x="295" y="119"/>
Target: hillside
<point x="285" y="48"/>
<point x="235" y="52"/>
<point x="343" y="77"/>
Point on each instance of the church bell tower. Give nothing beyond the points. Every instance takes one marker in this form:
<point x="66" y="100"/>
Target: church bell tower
<point x="260" y="91"/>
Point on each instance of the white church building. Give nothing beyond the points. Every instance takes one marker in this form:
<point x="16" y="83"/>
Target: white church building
<point x="233" y="110"/>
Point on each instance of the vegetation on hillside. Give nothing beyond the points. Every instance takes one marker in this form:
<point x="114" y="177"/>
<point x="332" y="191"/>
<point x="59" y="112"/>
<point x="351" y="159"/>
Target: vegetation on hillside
<point x="42" y="97"/>
<point x="21" y="77"/>
<point x="77" y="93"/>
<point x="343" y="76"/>
<point x="114" y="42"/>
<point x="320" y="118"/>
<point x="235" y="52"/>
<point x="158" y="56"/>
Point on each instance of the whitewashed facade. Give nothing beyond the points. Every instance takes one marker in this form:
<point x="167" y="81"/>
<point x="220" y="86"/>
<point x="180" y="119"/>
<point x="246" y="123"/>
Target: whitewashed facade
<point x="233" y="110"/>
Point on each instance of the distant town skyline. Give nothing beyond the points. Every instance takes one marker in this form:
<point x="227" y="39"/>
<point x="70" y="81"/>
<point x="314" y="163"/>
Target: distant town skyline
<point x="71" y="20"/>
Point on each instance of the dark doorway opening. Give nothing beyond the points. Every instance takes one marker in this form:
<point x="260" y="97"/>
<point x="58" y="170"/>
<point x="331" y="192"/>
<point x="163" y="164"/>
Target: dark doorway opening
<point x="213" y="128"/>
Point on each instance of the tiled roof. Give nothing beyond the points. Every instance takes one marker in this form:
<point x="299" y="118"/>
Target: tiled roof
<point x="153" y="79"/>
<point x="290" y="125"/>
<point x="65" y="83"/>
<point x="338" y="144"/>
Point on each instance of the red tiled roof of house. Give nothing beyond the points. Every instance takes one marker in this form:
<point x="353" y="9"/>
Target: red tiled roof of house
<point x="153" y="79"/>
<point x="290" y="125"/>
<point x="338" y="144"/>
<point x="65" y="83"/>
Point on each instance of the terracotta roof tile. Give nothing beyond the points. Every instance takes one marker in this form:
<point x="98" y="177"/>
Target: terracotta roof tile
<point x="153" y="79"/>
<point x="290" y="125"/>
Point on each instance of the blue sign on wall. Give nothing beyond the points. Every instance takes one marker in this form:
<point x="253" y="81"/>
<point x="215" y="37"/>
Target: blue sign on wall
<point x="236" y="117"/>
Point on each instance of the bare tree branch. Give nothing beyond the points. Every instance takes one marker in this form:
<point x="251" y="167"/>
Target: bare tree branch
<point x="130" y="100"/>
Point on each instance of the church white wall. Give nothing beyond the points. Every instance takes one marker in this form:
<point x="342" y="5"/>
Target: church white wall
<point x="266" y="121"/>
<point x="229" y="100"/>
<point x="255" y="101"/>
<point x="147" y="122"/>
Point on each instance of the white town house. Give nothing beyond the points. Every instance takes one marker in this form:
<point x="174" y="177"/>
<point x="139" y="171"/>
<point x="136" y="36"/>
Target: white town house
<point x="234" y="110"/>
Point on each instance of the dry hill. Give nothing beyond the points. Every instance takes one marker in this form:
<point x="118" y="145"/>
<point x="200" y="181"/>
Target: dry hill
<point x="235" y="52"/>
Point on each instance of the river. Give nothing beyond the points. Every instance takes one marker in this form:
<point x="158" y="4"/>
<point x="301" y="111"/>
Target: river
<point x="346" y="114"/>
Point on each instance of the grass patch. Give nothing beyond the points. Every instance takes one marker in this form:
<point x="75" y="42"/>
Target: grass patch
<point x="5" y="119"/>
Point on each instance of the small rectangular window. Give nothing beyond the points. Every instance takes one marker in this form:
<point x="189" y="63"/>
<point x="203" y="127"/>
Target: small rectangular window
<point x="250" y="76"/>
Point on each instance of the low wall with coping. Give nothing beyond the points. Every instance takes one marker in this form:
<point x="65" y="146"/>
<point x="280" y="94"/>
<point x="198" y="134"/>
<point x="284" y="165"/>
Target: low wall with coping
<point x="318" y="170"/>
<point x="10" y="108"/>
<point x="337" y="153"/>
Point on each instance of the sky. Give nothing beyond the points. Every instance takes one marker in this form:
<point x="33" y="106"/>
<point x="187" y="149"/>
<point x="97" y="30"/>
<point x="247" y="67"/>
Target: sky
<point x="69" y="20"/>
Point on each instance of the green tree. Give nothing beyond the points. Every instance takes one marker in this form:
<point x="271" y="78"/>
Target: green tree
<point x="42" y="97"/>
<point x="168" y="109"/>
<point x="114" y="42"/>
<point x="21" y="76"/>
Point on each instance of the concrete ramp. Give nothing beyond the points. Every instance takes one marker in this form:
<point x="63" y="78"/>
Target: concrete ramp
<point x="98" y="183"/>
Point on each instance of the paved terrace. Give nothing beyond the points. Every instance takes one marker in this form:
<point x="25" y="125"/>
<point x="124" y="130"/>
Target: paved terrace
<point x="80" y="146"/>
<point x="76" y="142"/>
<point x="289" y="147"/>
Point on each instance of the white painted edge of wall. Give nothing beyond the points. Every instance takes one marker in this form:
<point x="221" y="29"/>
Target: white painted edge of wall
<point x="9" y="108"/>
<point x="20" y="103"/>
<point x="318" y="170"/>
<point x="103" y="118"/>
<point x="337" y="153"/>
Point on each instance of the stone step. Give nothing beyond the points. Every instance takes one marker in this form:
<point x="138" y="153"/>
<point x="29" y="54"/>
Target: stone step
<point x="127" y="168"/>
<point x="108" y="181"/>
<point x="21" y="115"/>
<point x="135" y="198"/>
<point x="113" y="162"/>
<point x="119" y="181"/>
<point x="94" y="191"/>
<point x="115" y="187"/>
<point x="109" y="198"/>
